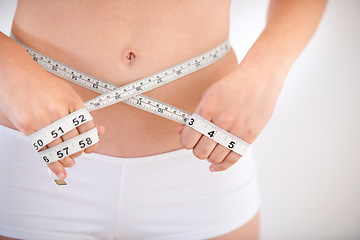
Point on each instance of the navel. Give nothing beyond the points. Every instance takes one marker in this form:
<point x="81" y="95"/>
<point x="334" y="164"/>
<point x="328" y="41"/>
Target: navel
<point x="129" y="56"/>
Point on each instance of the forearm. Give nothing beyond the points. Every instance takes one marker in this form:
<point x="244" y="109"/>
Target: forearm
<point x="13" y="60"/>
<point x="8" y="48"/>
<point x="243" y="101"/>
<point x="290" y="25"/>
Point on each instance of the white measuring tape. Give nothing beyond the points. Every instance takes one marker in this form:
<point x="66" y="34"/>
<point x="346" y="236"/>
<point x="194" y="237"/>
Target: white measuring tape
<point x="130" y="94"/>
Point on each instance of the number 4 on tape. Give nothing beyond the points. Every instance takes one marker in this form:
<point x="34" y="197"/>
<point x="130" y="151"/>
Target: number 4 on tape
<point x="217" y="134"/>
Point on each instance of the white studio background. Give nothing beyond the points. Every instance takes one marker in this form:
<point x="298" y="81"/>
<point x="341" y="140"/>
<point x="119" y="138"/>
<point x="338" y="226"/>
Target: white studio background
<point x="309" y="165"/>
<point x="308" y="155"/>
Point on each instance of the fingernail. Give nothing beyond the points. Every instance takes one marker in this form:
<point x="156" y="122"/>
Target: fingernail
<point x="61" y="175"/>
<point x="212" y="169"/>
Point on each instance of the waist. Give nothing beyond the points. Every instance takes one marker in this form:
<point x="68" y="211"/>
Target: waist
<point x="134" y="133"/>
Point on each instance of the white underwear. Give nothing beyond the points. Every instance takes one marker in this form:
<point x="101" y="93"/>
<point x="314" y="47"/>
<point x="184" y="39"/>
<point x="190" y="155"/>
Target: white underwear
<point x="166" y="196"/>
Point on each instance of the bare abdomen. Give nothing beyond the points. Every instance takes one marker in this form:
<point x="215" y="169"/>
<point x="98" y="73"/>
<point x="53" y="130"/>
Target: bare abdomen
<point x="109" y="42"/>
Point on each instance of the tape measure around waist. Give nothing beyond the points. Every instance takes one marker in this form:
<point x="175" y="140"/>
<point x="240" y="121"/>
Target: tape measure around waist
<point x="129" y="94"/>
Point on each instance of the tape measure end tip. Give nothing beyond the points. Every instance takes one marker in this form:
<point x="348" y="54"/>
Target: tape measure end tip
<point x="60" y="182"/>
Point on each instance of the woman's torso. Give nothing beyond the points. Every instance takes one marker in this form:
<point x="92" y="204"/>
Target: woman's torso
<point x="97" y="37"/>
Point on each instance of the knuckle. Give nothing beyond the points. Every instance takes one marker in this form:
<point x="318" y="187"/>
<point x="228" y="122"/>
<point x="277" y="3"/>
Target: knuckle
<point x="77" y="102"/>
<point x="214" y="159"/>
<point x="251" y="133"/>
<point x="57" y="112"/>
<point x="74" y="102"/>
<point x="211" y="158"/>
<point x="51" y="115"/>
<point x="26" y="126"/>
<point x="224" y="120"/>
<point x="55" y="142"/>
<point x="187" y="146"/>
<point x="207" y="111"/>
<point x="232" y="160"/>
<point x="55" y="167"/>
<point x="90" y="149"/>
<point x="246" y="131"/>
<point x="86" y="126"/>
<point x="186" y="143"/>
<point x="72" y="133"/>
<point x="200" y="153"/>
<point x="70" y="164"/>
<point x="41" y="114"/>
<point x="67" y="162"/>
<point x="76" y="155"/>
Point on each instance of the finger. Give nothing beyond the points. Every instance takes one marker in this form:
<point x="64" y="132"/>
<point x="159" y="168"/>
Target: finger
<point x="84" y="128"/>
<point x="100" y="128"/>
<point x="218" y="154"/>
<point x="180" y="129"/>
<point x="67" y="136"/>
<point x="76" y="155"/>
<point x="229" y="160"/>
<point x="204" y="147"/>
<point x="58" y="169"/>
<point x="189" y="137"/>
<point x="101" y="131"/>
<point x="66" y="161"/>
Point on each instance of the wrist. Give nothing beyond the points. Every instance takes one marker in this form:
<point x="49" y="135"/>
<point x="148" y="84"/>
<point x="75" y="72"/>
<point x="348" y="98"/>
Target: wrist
<point x="265" y="67"/>
<point x="269" y="55"/>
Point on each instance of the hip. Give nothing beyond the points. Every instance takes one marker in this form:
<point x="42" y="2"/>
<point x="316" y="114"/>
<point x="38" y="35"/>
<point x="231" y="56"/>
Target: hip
<point x="165" y="196"/>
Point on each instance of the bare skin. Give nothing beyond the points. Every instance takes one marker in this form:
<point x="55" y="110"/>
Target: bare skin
<point x="106" y="56"/>
<point x="121" y="41"/>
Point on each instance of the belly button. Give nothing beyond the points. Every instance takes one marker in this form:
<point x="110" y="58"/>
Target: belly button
<point x="129" y="56"/>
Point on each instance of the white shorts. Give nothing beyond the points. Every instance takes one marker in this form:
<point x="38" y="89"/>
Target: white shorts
<point x="167" y="196"/>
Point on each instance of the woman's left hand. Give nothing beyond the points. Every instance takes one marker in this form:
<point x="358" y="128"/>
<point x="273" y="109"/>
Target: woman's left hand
<point x="242" y="104"/>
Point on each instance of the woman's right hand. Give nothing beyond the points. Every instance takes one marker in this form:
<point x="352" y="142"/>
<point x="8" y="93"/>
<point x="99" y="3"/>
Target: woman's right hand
<point x="32" y="98"/>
